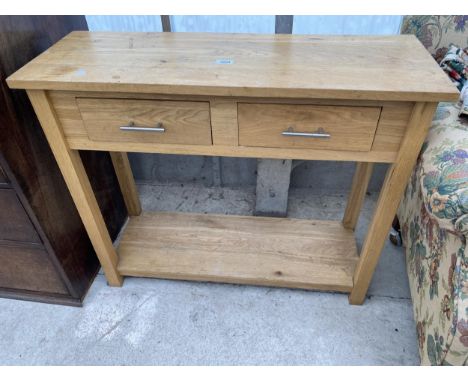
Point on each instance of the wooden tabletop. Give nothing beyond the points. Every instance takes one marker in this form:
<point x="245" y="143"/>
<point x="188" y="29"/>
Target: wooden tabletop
<point x="396" y="68"/>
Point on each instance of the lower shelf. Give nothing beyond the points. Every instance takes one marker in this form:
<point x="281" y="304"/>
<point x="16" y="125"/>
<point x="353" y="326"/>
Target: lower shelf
<point x="293" y="253"/>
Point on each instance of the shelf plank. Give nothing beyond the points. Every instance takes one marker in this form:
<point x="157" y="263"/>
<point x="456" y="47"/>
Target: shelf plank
<point x="284" y="252"/>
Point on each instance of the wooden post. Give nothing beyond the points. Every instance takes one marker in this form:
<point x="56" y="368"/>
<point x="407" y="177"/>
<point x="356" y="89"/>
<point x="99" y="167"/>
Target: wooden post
<point x="361" y="179"/>
<point x="72" y="169"/>
<point x="389" y="198"/>
<point x="127" y="183"/>
<point x="166" y="23"/>
<point x="284" y="24"/>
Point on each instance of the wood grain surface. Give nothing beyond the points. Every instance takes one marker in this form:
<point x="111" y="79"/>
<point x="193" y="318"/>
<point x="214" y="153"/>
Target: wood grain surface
<point x="126" y="182"/>
<point x="350" y="127"/>
<point x="223" y="110"/>
<point x="389" y="199"/>
<point x="357" y="194"/>
<point x="15" y="224"/>
<point x="184" y="122"/>
<point x="254" y="65"/>
<point x="78" y="184"/>
<point x="29" y="269"/>
<point x="239" y="249"/>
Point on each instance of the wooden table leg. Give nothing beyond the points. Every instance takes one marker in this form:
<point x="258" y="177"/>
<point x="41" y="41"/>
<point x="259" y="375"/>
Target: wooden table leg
<point x="127" y="182"/>
<point x="361" y="179"/>
<point x="389" y="198"/>
<point x="72" y="169"/>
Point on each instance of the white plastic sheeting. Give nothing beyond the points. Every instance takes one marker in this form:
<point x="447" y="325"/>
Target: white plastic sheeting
<point x="363" y="25"/>
<point x="124" y="23"/>
<point x="370" y="25"/>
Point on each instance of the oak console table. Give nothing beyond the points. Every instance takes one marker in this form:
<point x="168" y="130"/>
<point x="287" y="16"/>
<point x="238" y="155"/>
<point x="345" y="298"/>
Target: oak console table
<point x="362" y="99"/>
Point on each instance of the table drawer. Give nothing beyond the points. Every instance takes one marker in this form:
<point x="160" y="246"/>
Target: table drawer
<point x="307" y="126"/>
<point x="131" y="120"/>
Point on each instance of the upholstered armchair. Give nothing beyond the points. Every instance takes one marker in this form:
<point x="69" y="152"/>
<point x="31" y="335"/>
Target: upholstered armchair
<point x="433" y="214"/>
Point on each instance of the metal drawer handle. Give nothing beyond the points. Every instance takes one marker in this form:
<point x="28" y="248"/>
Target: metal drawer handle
<point x="131" y="127"/>
<point x="320" y="133"/>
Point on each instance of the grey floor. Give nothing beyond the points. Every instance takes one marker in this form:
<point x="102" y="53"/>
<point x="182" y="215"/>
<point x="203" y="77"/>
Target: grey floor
<point x="160" y="322"/>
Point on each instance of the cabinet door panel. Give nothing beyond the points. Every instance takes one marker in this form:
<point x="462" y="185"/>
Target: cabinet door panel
<point x="3" y="178"/>
<point x="28" y="269"/>
<point x="14" y="222"/>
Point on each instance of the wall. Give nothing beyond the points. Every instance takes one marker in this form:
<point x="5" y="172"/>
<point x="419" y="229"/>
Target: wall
<point x="236" y="172"/>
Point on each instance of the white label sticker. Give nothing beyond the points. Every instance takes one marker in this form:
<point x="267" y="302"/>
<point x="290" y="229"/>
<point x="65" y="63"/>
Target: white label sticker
<point x="80" y="72"/>
<point x="224" y="61"/>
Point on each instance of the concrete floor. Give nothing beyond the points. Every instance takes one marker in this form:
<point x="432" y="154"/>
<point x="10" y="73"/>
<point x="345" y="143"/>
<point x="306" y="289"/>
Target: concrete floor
<point x="160" y="322"/>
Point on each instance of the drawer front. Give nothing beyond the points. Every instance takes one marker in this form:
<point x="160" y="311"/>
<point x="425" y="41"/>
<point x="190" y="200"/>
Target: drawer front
<point x="14" y="222"/>
<point x="127" y="120"/>
<point x="307" y="126"/>
<point x="29" y="269"/>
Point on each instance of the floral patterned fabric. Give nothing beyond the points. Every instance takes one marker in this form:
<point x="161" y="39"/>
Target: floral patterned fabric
<point x="455" y="64"/>
<point x="437" y="33"/>
<point x="434" y="220"/>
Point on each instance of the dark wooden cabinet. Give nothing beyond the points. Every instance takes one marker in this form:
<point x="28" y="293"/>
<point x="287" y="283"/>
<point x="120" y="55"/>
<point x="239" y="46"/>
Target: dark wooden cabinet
<point x="3" y="178"/>
<point x="16" y="225"/>
<point x="45" y="253"/>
